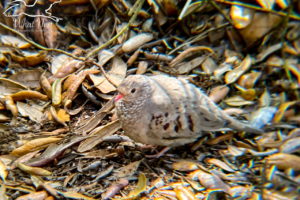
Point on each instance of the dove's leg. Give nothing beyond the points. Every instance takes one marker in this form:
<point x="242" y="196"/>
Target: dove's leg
<point x="159" y="154"/>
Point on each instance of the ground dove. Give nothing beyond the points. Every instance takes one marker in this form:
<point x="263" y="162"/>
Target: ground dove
<point x="167" y="111"/>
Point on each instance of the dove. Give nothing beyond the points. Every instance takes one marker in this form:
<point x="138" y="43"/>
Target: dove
<point x="166" y="111"/>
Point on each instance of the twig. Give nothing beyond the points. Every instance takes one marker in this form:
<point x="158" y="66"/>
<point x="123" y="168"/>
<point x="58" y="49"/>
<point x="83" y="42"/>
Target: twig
<point x="38" y="45"/>
<point x="104" y="73"/>
<point x="138" y="6"/>
<point x="236" y="3"/>
<point x="198" y="37"/>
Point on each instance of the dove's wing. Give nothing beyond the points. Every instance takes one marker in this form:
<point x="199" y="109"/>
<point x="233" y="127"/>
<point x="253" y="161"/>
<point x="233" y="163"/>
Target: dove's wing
<point x="171" y="119"/>
<point x="193" y="109"/>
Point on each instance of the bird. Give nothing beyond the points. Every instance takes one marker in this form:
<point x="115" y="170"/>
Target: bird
<point x="167" y="111"/>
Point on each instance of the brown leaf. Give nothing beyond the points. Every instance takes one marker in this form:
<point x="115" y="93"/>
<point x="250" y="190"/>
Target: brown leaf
<point x="218" y="93"/>
<point x="98" y="134"/>
<point x="12" y="41"/>
<point x="41" y="195"/>
<point x="29" y="78"/>
<point x="212" y="181"/>
<point x="70" y="93"/>
<point x="248" y="80"/>
<point x="31" y="110"/>
<point x="136" y="41"/>
<point x="28" y="94"/>
<point x="183" y="193"/>
<point x="140" y="188"/>
<point x="233" y="75"/>
<point x="33" y="170"/>
<point x="128" y="170"/>
<point x="75" y="195"/>
<point x="8" y="86"/>
<point x="185" y="165"/>
<point x="284" y="161"/>
<point x="10" y="105"/>
<point x="282" y="109"/>
<point x="34" y="145"/>
<point x="3" y="170"/>
<point x="116" y="74"/>
<point x="114" y="189"/>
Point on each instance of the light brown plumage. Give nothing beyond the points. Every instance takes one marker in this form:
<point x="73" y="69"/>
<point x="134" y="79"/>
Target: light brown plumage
<point x="168" y="111"/>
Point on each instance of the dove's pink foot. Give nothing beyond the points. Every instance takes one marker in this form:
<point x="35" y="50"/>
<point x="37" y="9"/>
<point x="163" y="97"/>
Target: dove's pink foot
<point x="159" y="154"/>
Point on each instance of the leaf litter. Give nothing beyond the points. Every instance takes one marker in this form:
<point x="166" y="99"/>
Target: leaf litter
<point x="59" y="136"/>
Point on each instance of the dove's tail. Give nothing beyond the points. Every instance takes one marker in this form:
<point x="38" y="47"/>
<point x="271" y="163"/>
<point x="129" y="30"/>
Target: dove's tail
<point x="241" y="126"/>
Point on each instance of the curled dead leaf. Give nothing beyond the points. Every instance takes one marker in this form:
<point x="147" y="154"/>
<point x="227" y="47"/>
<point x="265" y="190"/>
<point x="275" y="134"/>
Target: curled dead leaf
<point x="28" y="94"/>
<point x="10" y="105"/>
<point x="233" y="75"/>
<point x="284" y="161"/>
<point x="3" y="170"/>
<point x="34" y="145"/>
<point x="33" y="170"/>
<point x="185" y="165"/>
<point x="13" y="41"/>
<point x="136" y="41"/>
<point x="34" y="196"/>
<point x="218" y="93"/>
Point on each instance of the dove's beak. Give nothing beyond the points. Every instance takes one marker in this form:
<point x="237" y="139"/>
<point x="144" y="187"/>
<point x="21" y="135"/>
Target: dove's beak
<point x="118" y="97"/>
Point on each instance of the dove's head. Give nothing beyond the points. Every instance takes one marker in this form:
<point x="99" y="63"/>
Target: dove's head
<point x="135" y="89"/>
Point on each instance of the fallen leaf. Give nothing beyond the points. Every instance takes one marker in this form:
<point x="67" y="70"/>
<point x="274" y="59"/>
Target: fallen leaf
<point x="33" y="170"/>
<point x="34" y="145"/>
<point x="284" y="161"/>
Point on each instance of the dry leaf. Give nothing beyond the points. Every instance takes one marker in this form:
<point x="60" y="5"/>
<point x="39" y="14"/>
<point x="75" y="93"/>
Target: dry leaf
<point x="281" y="110"/>
<point x="8" y="87"/>
<point x="3" y="170"/>
<point x="75" y="195"/>
<point x="127" y="170"/>
<point x="116" y="75"/>
<point x="56" y="91"/>
<point x="28" y="94"/>
<point x="212" y="181"/>
<point x="8" y="40"/>
<point x="237" y="101"/>
<point x="29" y="78"/>
<point x="136" y="42"/>
<point x="34" y="145"/>
<point x="284" y="161"/>
<point x="220" y="164"/>
<point x="41" y="195"/>
<point x="33" y="170"/>
<point x="140" y="188"/>
<point x="241" y="16"/>
<point x="98" y="134"/>
<point x="31" y="110"/>
<point x="233" y="75"/>
<point x="185" y="165"/>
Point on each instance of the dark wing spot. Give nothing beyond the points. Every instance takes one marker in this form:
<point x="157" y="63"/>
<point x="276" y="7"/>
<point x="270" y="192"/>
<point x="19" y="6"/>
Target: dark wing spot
<point x="178" y="123"/>
<point x="206" y="119"/>
<point x="191" y="123"/>
<point x="176" y="129"/>
<point x="227" y="123"/>
<point x="166" y="114"/>
<point x="166" y="126"/>
<point x="152" y="118"/>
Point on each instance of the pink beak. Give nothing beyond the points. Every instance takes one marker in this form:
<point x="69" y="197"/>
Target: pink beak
<point x="118" y="97"/>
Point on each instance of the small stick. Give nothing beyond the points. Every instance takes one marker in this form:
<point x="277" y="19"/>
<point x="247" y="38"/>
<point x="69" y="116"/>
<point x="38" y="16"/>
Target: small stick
<point x="138" y="5"/>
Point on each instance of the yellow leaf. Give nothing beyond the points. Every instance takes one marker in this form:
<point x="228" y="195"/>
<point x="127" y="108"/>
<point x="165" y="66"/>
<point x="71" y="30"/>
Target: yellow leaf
<point x="33" y="170"/>
<point x="34" y="145"/>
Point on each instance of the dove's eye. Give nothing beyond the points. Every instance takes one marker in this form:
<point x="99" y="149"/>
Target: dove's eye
<point x="133" y="90"/>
